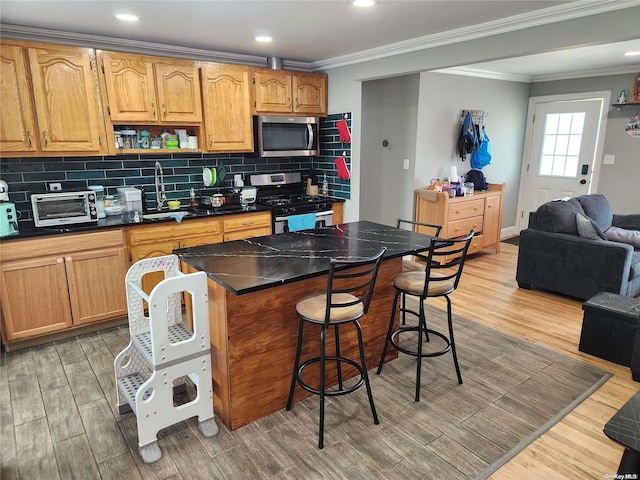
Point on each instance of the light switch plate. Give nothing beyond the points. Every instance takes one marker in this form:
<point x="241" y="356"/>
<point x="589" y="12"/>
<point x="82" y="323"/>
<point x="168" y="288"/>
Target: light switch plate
<point x="406" y="164"/>
<point x="609" y="159"/>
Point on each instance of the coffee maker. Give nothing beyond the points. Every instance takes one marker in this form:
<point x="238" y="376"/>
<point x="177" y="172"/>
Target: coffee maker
<point x="8" y="214"/>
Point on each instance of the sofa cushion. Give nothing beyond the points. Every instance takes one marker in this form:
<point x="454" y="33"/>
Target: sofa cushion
<point x="587" y="228"/>
<point x="630" y="237"/>
<point x="559" y="216"/>
<point x="597" y="207"/>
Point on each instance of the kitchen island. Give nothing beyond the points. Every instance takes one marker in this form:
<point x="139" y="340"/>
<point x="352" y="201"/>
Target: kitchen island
<point x="254" y="285"/>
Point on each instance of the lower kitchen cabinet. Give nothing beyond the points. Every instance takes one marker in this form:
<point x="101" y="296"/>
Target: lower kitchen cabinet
<point x="56" y="284"/>
<point x="148" y="241"/>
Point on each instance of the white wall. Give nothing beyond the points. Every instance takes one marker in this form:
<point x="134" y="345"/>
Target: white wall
<point x="442" y="99"/>
<point x="389" y="112"/>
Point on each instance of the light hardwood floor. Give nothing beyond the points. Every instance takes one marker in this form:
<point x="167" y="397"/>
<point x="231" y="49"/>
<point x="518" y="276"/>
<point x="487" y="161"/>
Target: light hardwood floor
<point x="79" y="372"/>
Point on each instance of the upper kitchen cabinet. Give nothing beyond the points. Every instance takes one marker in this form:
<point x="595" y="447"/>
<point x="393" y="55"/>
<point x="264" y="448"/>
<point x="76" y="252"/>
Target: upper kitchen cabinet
<point x="18" y="132"/>
<point x="150" y="90"/>
<point x="66" y="114"/>
<point x="226" y="98"/>
<point x="281" y="91"/>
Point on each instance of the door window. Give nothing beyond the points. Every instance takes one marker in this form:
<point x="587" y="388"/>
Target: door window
<point x="561" y="144"/>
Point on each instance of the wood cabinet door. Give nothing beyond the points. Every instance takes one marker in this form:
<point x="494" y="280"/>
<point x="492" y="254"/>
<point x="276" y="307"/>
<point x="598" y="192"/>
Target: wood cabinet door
<point x="130" y="87"/>
<point x="66" y="94"/>
<point x="492" y="219"/>
<point x="310" y="94"/>
<point x="272" y="91"/>
<point x="226" y="97"/>
<point x="18" y="132"/>
<point x="241" y="234"/>
<point x="96" y="284"/>
<point x="35" y="297"/>
<point x="200" y="240"/>
<point x="150" y="250"/>
<point x="178" y="89"/>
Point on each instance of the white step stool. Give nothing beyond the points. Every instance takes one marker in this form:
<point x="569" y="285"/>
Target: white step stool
<point x="163" y="352"/>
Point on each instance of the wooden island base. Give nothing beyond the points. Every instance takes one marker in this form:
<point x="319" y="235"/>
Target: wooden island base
<point x="253" y="341"/>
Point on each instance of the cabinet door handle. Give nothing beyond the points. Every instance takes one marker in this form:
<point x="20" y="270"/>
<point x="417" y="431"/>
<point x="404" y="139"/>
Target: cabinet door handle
<point x="60" y="260"/>
<point x="68" y="259"/>
<point x="164" y="111"/>
<point x="46" y="141"/>
<point x="29" y="139"/>
<point x="210" y="141"/>
<point x="248" y="223"/>
<point x="153" y="110"/>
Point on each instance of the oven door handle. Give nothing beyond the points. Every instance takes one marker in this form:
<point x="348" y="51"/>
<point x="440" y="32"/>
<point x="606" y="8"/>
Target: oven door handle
<point x="324" y="213"/>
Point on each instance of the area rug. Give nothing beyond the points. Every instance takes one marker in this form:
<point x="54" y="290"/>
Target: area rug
<point x="513" y="392"/>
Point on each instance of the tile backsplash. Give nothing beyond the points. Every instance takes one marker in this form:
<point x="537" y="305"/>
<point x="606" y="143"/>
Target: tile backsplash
<point x="182" y="171"/>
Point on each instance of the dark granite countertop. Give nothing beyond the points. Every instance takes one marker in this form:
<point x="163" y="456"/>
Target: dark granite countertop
<point x="29" y="230"/>
<point x="244" y="266"/>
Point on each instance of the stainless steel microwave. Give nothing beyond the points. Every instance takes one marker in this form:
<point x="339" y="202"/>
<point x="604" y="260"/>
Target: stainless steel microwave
<point x="288" y="136"/>
<point x="64" y="208"/>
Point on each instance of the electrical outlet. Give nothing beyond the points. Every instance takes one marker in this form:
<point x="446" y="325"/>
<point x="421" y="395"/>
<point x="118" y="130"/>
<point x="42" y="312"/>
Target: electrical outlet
<point x="609" y="159"/>
<point x="406" y="164"/>
<point x="55" y="187"/>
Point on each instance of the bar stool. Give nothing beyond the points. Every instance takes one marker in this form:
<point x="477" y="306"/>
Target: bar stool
<point x="349" y="290"/>
<point x="434" y="230"/>
<point x="446" y="254"/>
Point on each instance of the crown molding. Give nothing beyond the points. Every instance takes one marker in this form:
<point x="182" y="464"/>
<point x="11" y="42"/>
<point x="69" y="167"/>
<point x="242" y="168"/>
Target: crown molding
<point x="474" y="72"/>
<point x="33" y="34"/>
<point x="601" y="72"/>
<point x="555" y="14"/>
<point x="514" y="77"/>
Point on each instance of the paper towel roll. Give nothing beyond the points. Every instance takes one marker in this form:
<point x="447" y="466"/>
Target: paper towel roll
<point x="453" y="174"/>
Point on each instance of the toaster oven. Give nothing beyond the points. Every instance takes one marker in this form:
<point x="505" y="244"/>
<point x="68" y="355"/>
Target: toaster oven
<point x="64" y="208"/>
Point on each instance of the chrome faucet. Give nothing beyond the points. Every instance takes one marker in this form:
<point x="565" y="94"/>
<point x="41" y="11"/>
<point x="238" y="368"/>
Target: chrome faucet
<point x="161" y="195"/>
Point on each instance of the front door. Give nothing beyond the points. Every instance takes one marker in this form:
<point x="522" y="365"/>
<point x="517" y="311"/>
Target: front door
<point x="564" y="141"/>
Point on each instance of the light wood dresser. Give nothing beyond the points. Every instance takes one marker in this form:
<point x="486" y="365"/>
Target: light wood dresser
<point x="481" y="211"/>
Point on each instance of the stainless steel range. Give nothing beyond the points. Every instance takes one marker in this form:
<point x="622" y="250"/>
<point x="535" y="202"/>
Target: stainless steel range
<point x="285" y="193"/>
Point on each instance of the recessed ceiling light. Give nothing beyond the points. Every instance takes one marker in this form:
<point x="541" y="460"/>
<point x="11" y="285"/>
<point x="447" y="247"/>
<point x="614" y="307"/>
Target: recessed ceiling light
<point x="363" y="3"/>
<point x="263" y="38"/>
<point x="126" y="17"/>
<point x="632" y="53"/>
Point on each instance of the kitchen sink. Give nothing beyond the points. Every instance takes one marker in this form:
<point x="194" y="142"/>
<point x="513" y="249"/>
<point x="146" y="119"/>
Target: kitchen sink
<point x="161" y="215"/>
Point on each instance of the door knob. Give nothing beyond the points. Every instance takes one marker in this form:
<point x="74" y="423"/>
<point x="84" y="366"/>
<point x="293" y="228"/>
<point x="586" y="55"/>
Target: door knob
<point x="583" y="181"/>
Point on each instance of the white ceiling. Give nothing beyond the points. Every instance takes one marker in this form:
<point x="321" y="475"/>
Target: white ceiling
<point x="323" y="33"/>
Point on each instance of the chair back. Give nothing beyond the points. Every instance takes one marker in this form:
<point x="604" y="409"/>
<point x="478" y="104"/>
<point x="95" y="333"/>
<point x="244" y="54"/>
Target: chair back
<point x="356" y="277"/>
<point x="444" y="263"/>
<point x="421" y="227"/>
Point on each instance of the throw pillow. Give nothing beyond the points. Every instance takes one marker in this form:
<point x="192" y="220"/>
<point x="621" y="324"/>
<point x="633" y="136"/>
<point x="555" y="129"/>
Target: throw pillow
<point x="587" y="228"/>
<point x="630" y="237"/>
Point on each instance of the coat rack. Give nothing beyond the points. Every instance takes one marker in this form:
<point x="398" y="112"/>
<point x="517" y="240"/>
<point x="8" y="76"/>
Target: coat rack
<point x="477" y="115"/>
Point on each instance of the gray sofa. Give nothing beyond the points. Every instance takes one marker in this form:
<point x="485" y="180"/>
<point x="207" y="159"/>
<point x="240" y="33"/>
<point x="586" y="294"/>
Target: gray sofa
<point x="604" y="256"/>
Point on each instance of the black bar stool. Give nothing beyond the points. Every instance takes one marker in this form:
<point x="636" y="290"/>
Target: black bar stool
<point x="349" y="291"/>
<point x="448" y="255"/>
<point x="427" y="229"/>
